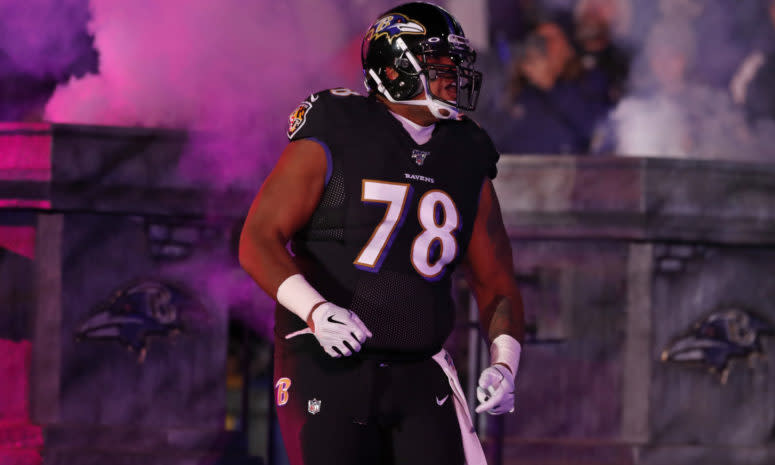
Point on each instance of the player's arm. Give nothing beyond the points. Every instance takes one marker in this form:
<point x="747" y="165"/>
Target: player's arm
<point x="490" y="274"/>
<point x="490" y="271"/>
<point x="282" y="206"/>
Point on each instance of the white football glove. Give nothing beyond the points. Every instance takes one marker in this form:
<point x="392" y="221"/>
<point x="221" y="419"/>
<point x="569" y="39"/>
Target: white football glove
<point x="495" y="391"/>
<point x="338" y="330"/>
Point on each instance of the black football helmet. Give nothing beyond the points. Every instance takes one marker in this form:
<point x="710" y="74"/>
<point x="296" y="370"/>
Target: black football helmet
<point x="403" y="38"/>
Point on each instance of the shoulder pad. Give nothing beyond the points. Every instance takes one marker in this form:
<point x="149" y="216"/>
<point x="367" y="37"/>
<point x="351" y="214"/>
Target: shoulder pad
<point x="343" y="92"/>
<point x="487" y="149"/>
<point x="310" y="111"/>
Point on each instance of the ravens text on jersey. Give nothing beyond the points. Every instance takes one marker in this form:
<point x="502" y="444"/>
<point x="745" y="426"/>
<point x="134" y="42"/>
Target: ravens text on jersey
<point x="394" y="219"/>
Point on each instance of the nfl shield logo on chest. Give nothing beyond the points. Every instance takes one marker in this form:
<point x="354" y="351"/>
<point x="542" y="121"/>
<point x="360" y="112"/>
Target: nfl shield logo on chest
<point x="419" y="156"/>
<point x="313" y="406"/>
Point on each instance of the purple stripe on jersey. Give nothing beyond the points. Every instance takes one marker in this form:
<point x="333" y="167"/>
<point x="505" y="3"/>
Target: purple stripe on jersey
<point x="329" y="160"/>
<point x="438" y="276"/>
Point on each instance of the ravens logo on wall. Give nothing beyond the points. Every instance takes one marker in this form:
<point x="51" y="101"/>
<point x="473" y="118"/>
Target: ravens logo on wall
<point x="136" y="312"/>
<point x="718" y="338"/>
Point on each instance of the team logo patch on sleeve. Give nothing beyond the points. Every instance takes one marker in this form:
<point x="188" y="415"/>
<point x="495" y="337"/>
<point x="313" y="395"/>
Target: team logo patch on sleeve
<point x="297" y="119"/>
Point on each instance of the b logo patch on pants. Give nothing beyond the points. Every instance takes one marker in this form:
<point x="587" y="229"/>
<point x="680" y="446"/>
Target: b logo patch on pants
<point x="282" y="386"/>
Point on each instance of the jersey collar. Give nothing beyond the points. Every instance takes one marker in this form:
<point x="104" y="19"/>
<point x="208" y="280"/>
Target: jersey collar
<point x="420" y="134"/>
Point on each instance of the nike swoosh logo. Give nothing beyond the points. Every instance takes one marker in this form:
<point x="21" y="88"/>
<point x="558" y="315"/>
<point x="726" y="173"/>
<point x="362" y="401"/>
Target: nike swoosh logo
<point x="442" y="400"/>
<point x="332" y="320"/>
<point x="313" y="97"/>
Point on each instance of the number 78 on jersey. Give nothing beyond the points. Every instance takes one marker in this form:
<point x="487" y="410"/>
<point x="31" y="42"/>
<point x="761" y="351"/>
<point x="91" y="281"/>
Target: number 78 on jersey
<point x="438" y="217"/>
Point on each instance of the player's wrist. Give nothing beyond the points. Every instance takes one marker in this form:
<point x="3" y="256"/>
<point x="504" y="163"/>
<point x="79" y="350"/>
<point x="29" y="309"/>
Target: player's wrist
<point x="506" y="351"/>
<point x="505" y="367"/>
<point x="311" y="316"/>
<point x="299" y="297"/>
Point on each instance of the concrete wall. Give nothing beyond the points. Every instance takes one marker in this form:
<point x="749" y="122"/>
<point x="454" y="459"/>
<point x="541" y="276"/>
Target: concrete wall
<point x="110" y="211"/>
<point x="617" y="258"/>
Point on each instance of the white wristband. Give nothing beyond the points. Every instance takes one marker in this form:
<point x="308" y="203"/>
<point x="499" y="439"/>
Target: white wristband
<point x="298" y="296"/>
<point x="505" y="349"/>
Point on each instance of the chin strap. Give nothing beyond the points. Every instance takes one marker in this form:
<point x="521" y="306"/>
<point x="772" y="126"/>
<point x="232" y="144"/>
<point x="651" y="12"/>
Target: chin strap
<point x="438" y="109"/>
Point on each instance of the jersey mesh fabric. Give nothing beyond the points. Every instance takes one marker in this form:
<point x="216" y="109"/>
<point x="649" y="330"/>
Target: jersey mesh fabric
<point x="324" y="226"/>
<point x="396" y="302"/>
<point x="407" y="307"/>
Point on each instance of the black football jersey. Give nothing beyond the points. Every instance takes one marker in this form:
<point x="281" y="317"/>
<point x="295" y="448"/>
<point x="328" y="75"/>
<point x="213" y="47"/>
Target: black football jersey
<point x="394" y="220"/>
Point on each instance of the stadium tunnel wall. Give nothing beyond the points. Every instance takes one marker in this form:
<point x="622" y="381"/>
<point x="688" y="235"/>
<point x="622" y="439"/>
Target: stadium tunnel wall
<point x="112" y="349"/>
<point x="616" y="257"/>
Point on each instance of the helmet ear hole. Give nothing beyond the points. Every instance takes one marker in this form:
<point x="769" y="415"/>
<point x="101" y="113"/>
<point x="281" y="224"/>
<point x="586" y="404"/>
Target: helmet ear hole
<point x="402" y="62"/>
<point x="405" y="86"/>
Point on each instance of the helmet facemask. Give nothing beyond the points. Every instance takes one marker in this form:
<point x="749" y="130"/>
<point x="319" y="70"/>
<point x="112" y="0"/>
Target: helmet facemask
<point x="415" y="73"/>
<point x="466" y="80"/>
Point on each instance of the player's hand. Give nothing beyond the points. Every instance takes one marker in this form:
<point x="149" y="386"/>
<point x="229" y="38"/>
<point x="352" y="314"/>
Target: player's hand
<point x="495" y="391"/>
<point x="338" y="330"/>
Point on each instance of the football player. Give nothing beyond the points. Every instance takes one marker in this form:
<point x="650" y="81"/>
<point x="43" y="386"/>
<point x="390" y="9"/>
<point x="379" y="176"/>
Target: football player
<point x="381" y="197"/>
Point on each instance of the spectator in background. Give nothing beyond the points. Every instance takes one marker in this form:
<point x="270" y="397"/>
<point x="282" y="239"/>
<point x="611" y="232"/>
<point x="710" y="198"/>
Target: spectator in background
<point x="753" y="86"/>
<point x="597" y="24"/>
<point x="550" y="103"/>
<point x="670" y="116"/>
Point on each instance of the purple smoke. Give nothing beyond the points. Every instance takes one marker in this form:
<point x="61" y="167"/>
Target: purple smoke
<point x="47" y="38"/>
<point x="230" y="72"/>
<point x="692" y="115"/>
<point x="42" y="43"/>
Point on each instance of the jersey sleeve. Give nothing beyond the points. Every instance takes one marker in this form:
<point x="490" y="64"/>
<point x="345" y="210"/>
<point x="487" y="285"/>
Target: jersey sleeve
<point x="491" y="156"/>
<point x="318" y="114"/>
<point x="307" y="119"/>
<point x="488" y="153"/>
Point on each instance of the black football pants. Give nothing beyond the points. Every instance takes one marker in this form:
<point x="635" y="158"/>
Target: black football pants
<point x="354" y="410"/>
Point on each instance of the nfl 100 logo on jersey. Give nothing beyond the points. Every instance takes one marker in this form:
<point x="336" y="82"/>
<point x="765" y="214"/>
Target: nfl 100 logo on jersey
<point x="419" y="156"/>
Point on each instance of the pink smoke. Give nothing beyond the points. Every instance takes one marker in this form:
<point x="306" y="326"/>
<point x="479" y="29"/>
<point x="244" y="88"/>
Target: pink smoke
<point x="231" y="71"/>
